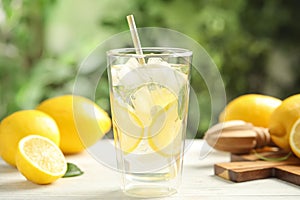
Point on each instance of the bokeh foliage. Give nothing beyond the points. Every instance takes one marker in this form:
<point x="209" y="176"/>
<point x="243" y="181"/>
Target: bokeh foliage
<point x="254" y="43"/>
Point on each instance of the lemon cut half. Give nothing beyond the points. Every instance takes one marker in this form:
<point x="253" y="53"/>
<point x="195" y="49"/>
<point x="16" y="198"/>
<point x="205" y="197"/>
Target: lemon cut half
<point x="295" y="138"/>
<point x="40" y="160"/>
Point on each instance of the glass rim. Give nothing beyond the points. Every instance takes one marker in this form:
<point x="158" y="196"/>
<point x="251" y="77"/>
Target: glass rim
<point x="151" y="52"/>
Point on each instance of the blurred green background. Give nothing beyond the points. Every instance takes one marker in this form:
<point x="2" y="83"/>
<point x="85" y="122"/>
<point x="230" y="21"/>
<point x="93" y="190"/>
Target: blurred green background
<point x="254" y="43"/>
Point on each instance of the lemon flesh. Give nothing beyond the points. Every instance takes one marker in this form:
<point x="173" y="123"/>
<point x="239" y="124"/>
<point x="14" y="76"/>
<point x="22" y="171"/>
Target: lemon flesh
<point x="294" y="138"/>
<point x="40" y="160"/>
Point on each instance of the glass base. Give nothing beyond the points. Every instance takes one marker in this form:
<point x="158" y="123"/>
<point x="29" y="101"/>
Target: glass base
<point x="147" y="191"/>
<point x="146" y="185"/>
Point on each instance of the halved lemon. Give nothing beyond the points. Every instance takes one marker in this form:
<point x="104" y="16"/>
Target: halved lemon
<point x="128" y="128"/>
<point x="295" y="138"/>
<point x="40" y="160"/>
<point x="165" y="132"/>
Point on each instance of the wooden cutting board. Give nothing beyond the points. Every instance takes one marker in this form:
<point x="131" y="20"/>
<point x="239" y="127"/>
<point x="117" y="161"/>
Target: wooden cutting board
<point x="249" y="167"/>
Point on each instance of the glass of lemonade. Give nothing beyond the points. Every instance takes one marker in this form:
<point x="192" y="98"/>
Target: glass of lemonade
<point x="149" y="97"/>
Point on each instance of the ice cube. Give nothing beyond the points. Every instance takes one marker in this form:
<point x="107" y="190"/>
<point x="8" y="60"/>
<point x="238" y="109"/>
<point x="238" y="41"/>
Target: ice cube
<point x="132" y="63"/>
<point x="132" y="75"/>
<point x="157" y="60"/>
<point x="166" y="76"/>
<point x="118" y="72"/>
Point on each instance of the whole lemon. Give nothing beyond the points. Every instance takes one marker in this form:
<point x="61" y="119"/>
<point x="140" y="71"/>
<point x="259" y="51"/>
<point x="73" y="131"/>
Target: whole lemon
<point x="23" y="123"/>
<point x="282" y="120"/>
<point x="253" y="108"/>
<point x="81" y="122"/>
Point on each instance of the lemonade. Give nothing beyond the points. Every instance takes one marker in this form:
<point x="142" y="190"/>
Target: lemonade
<point x="149" y="104"/>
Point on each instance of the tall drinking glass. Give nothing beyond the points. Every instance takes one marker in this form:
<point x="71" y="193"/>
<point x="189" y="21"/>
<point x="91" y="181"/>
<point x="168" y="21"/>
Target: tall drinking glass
<point x="149" y="97"/>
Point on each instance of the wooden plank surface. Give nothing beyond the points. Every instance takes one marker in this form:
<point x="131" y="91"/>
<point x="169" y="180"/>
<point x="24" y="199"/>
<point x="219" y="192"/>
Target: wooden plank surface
<point x="243" y="171"/>
<point x="288" y="173"/>
<point x="100" y="182"/>
<point x="248" y="167"/>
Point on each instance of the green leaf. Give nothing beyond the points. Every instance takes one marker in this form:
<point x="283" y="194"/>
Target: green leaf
<point x="72" y="170"/>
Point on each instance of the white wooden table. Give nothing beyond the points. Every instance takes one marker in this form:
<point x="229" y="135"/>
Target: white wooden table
<point x="100" y="182"/>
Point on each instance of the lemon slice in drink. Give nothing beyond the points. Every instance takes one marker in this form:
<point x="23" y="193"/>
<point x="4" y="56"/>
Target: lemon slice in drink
<point x="165" y="132"/>
<point x="295" y="138"/>
<point x="128" y="128"/>
<point x="157" y="107"/>
<point x="40" y="160"/>
<point x="149" y="99"/>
